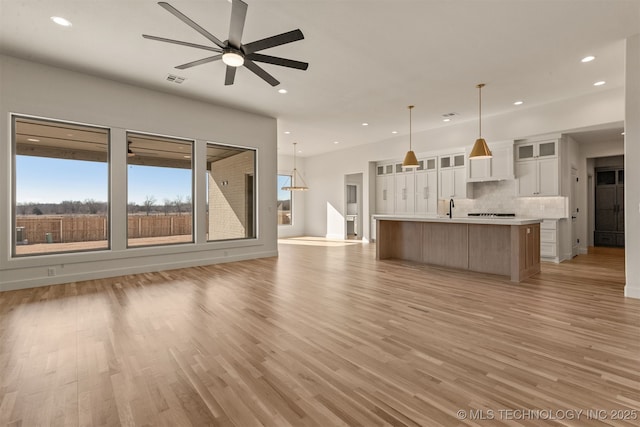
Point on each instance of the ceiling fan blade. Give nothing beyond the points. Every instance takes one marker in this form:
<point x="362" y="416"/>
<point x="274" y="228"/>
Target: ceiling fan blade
<point x="273" y="41"/>
<point x="199" y="62"/>
<point x="257" y="70"/>
<point x="277" y="61"/>
<point x="230" y="76"/>
<point x="197" y="46"/>
<point x="190" y="23"/>
<point x="238" y="16"/>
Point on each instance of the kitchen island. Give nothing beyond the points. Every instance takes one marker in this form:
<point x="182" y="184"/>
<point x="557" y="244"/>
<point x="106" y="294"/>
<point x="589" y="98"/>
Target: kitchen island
<point x="504" y="246"/>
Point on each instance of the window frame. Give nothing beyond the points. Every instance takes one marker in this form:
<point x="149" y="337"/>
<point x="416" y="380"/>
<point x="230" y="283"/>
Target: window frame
<point x="256" y="192"/>
<point x="290" y="175"/>
<point x="192" y="142"/>
<point x="13" y="117"/>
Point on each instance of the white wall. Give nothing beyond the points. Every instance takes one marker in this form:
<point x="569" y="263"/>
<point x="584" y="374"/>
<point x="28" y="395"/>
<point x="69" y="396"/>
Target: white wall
<point x="34" y="89"/>
<point x="285" y="166"/>
<point x="631" y="170"/>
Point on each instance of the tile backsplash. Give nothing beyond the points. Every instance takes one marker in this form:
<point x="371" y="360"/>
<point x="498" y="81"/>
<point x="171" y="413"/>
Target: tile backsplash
<point x="500" y="197"/>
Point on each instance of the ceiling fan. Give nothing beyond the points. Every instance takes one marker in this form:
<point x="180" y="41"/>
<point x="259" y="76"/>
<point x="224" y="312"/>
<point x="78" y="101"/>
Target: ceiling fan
<point x="232" y="52"/>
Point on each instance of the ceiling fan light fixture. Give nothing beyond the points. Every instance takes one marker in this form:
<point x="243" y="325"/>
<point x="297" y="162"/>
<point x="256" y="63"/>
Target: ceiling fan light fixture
<point x="480" y="148"/>
<point x="410" y="159"/>
<point x="233" y="58"/>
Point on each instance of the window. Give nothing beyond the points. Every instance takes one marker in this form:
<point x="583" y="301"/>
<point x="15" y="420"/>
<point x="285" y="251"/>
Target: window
<point x="61" y="176"/>
<point x="231" y="212"/>
<point x="160" y="190"/>
<point x="284" y="201"/>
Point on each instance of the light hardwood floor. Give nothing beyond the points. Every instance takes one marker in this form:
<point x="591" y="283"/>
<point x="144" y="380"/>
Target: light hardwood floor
<point x="324" y="335"/>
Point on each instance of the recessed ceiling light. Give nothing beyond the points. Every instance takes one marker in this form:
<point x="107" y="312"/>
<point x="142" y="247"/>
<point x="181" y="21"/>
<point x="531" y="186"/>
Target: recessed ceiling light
<point x="33" y="140"/>
<point x="518" y="103"/>
<point x="446" y="120"/>
<point x="187" y="157"/>
<point x="336" y="142"/>
<point x="286" y="132"/>
<point x="588" y="58"/>
<point x="282" y="91"/>
<point x="365" y="124"/>
<point x="394" y="132"/>
<point x="622" y="133"/>
<point x="61" y="21"/>
<point x="299" y="151"/>
<point x="600" y="83"/>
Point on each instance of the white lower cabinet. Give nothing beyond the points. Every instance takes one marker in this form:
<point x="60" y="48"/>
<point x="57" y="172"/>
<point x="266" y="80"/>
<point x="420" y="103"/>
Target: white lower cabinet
<point x="549" y="240"/>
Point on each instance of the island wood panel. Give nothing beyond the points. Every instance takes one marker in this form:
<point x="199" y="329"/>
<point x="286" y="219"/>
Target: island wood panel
<point x="403" y="240"/>
<point x="445" y="244"/>
<point x="489" y="249"/>
<point x="525" y="253"/>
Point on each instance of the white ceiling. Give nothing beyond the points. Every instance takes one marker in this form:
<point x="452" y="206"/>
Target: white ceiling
<point x="368" y="59"/>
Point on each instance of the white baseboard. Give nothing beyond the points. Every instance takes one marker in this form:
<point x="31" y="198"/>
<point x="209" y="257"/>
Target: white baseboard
<point x="118" y="271"/>
<point x="632" y="291"/>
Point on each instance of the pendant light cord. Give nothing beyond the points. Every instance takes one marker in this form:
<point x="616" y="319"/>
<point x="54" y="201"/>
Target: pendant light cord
<point x="480" y="86"/>
<point x="410" y="107"/>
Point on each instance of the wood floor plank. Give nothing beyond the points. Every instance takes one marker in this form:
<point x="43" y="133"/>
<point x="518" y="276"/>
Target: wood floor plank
<point x="323" y="335"/>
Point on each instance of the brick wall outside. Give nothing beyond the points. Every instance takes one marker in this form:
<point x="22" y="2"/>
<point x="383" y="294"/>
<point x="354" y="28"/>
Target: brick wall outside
<point x="228" y="206"/>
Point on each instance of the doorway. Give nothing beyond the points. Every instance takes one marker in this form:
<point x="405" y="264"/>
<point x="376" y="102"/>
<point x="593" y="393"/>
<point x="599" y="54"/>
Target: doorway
<point x="609" y="207"/>
<point x="353" y="206"/>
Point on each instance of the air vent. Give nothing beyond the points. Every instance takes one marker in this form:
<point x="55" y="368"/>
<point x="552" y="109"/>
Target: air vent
<point x="175" y="79"/>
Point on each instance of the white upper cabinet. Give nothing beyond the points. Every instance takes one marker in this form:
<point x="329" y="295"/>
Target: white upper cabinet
<point x="426" y="187"/>
<point x="405" y="193"/>
<point x="537" y="168"/>
<point x="452" y="177"/>
<point x="385" y="189"/>
<point x="497" y="168"/>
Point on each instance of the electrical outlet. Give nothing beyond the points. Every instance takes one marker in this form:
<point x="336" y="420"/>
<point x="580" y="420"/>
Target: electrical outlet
<point x="51" y="271"/>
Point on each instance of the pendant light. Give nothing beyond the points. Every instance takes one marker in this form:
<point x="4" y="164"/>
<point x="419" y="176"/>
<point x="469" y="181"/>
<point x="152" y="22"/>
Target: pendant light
<point x="410" y="160"/>
<point x="480" y="149"/>
<point x="295" y="176"/>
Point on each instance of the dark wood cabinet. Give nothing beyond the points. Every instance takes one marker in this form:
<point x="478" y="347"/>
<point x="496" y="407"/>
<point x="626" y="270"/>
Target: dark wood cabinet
<point x="609" y="207"/>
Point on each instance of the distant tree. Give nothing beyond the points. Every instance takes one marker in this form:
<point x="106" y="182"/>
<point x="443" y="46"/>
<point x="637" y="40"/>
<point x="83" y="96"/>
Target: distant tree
<point x="167" y="206"/>
<point x="179" y="204"/>
<point x="149" y="201"/>
<point x="189" y="205"/>
<point x="92" y="206"/>
<point x="67" y="206"/>
<point x="36" y="211"/>
<point x="132" y="207"/>
<point x="23" y="208"/>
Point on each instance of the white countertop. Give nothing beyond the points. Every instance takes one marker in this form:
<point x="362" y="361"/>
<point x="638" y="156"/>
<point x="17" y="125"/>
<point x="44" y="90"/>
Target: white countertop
<point x="461" y="220"/>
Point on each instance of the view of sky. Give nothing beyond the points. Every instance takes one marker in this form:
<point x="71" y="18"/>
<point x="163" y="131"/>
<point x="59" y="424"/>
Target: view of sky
<point x="283" y="180"/>
<point x="50" y="180"/>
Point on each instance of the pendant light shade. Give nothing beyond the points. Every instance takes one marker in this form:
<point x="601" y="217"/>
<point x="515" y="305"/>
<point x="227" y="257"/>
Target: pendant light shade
<point x="480" y="148"/>
<point x="296" y="179"/>
<point x="410" y="160"/>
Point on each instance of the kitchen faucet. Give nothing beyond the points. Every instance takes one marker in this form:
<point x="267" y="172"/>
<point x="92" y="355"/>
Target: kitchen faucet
<point x="451" y="206"/>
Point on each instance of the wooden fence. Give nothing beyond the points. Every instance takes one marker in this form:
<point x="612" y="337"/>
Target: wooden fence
<point x="87" y="228"/>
